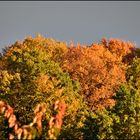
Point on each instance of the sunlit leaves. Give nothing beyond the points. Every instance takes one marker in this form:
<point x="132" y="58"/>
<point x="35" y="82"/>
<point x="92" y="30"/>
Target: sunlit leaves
<point x="31" y="74"/>
<point x="124" y="117"/>
<point x="99" y="71"/>
<point x="86" y="78"/>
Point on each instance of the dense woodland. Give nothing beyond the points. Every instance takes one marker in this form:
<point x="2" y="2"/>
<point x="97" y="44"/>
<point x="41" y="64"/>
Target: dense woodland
<point x="52" y="90"/>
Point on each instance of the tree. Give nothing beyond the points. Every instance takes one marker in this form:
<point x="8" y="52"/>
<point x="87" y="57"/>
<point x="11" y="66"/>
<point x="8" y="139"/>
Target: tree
<point x="29" y="76"/>
<point x="99" y="72"/>
<point x="123" y="120"/>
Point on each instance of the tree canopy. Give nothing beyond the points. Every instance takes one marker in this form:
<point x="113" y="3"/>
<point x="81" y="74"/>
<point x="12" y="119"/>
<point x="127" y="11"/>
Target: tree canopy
<point x="52" y="90"/>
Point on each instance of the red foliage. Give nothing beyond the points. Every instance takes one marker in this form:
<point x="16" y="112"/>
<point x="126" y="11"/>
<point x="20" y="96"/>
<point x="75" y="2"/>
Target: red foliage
<point x="56" y="121"/>
<point x="26" y="131"/>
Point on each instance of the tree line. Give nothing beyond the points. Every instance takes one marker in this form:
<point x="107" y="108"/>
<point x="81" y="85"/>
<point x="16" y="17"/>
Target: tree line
<point x="52" y="90"/>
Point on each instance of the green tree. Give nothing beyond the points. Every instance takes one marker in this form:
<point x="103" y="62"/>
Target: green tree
<point x="29" y="76"/>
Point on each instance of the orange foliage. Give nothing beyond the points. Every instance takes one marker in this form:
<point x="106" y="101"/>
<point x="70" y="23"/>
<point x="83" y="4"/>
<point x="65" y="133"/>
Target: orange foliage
<point x="122" y="49"/>
<point x="99" y="69"/>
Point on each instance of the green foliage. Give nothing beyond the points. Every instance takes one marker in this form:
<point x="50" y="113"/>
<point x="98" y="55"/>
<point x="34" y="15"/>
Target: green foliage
<point x="123" y="120"/>
<point x="128" y="110"/>
<point x="133" y="73"/>
<point x="120" y="122"/>
<point x="29" y="76"/>
<point x="39" y="70"/>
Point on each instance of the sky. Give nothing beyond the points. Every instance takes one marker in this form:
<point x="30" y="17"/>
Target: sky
<point x="85" y="22"/>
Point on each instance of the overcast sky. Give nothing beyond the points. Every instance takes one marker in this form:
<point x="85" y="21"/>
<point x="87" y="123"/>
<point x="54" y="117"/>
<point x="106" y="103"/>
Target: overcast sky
<point x="82" y="21"/>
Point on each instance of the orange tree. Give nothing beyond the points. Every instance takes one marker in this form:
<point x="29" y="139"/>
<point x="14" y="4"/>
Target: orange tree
<point x="100" y="69"/>
<point x="124" y="50"/>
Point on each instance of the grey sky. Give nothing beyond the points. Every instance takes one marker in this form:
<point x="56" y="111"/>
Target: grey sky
<point x="81" y="21"/>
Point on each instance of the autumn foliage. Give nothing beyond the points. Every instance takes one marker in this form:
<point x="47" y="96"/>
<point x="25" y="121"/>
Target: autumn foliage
<point x="99" y="68"/>
<point x="32" y="130"/>
<point x="52" y="90"/>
